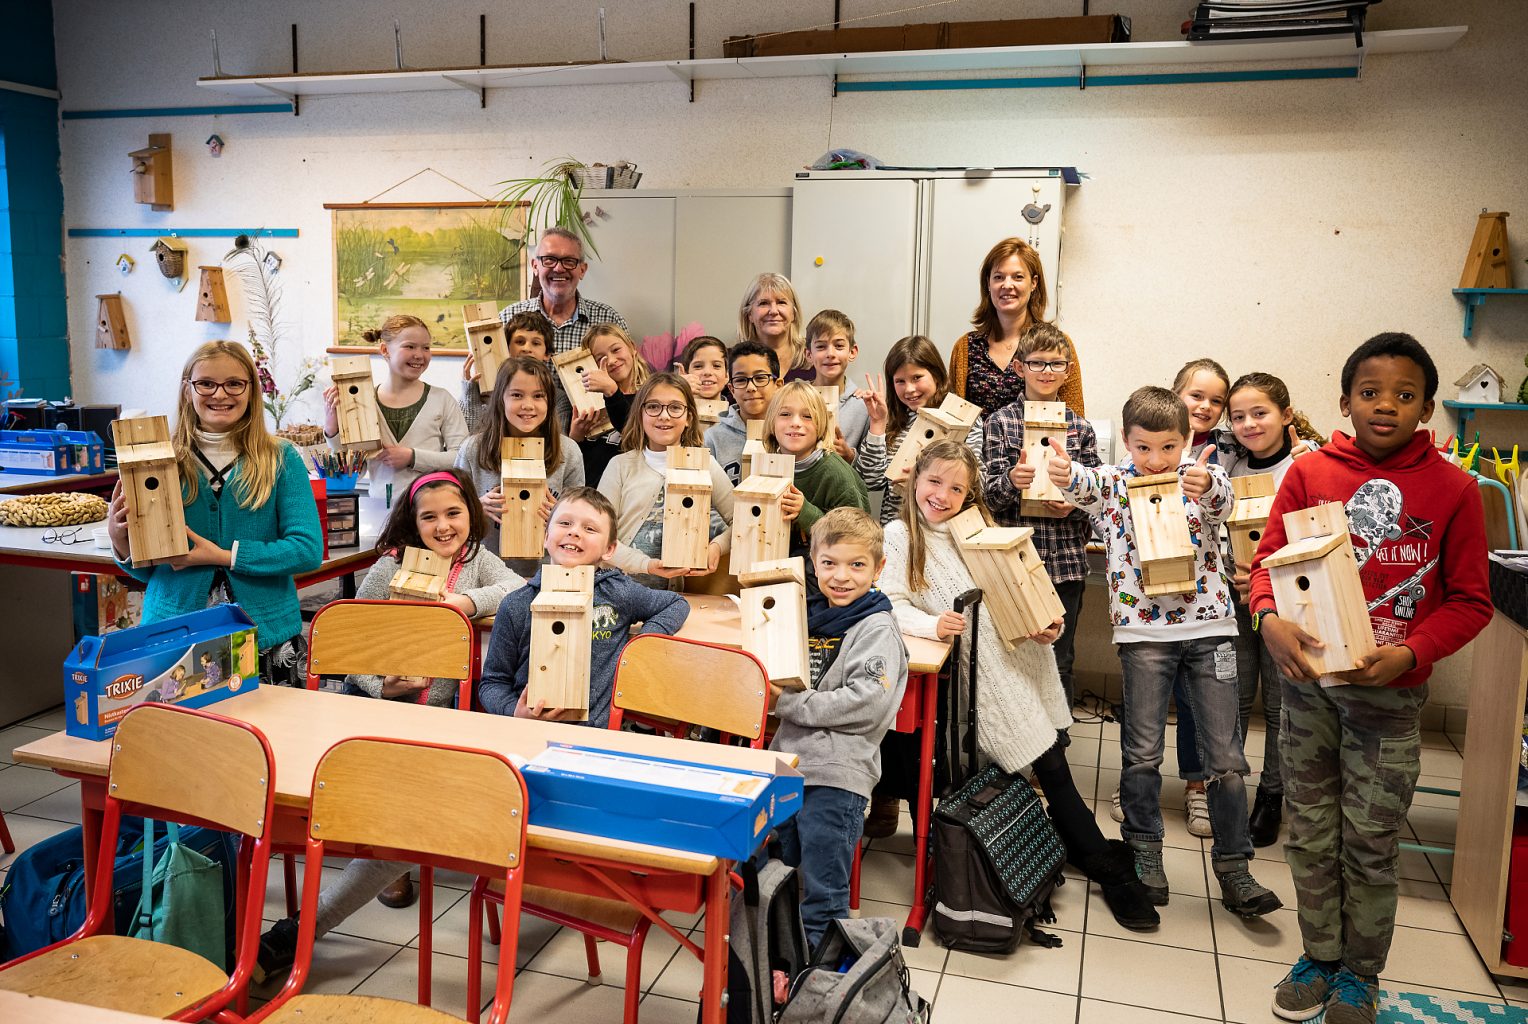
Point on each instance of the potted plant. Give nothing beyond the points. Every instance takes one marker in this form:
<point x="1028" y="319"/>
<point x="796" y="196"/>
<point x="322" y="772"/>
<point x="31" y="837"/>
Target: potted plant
<point x="550" y="200"/>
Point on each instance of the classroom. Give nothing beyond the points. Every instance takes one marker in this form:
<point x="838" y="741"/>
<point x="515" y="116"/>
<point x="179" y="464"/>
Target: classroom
<point x="825" y="510"/>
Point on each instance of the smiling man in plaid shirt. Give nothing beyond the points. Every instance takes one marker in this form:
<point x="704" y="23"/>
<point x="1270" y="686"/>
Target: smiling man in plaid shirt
<point x="1044" y="356"/>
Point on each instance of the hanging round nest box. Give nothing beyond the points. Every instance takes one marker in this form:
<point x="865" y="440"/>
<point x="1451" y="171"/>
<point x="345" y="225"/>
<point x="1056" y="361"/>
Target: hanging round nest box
<point x="172" y="258"/>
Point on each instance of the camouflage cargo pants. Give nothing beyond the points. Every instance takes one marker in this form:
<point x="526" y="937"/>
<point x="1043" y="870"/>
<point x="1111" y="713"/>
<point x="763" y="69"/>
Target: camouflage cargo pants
<point x="1351" y="755"/>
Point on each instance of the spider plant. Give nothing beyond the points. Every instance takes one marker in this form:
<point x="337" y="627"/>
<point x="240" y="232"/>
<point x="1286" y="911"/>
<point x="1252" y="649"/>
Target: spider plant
<point x="550" y="200"/>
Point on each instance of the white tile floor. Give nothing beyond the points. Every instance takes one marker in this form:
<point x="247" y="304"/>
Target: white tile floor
<point x="1202" y="965"/>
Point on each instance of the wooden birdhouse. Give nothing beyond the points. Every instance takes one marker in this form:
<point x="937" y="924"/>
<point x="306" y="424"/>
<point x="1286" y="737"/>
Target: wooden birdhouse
<point x="1480" y="383"/>
<point x="773" y="606"/>
<point x="753" y="447"/>
<point x="212" y="297"/>
<point x="571" y="366"/>
<point x="760" y="532"/>
<point x="487" y="340"/>
<point x="152" y="181"/>
<point x="562" y="618"/>
<point x="952" y="421"/>
<point x="1044" y="431"/>
<point x="709" y="410"/>
<point x="111" y="323"/>
<point x="170" y="254"/>
<point x="156" y="513"/>
<point x="422" y="576"/>
<point x="687" y="509"/>
<point x="1316" y="586"/>
<point x="356" y="405"/>
<point x="523" y="485"/>
<point x="830" y="399"/>
<point x="1161" y="534"/>
<point x="1489" y="262"/>
<point x="1016" y="590"/>
<point x="1249" y="518"/>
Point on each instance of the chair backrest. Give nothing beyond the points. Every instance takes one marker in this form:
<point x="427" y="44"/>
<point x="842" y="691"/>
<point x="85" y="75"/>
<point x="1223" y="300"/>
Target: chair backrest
<point x="702" y="684"/>
<point x="393" y="638"/>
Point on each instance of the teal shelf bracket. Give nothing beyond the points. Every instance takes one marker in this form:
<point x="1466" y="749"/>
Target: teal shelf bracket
<point x="1474" y="297"/>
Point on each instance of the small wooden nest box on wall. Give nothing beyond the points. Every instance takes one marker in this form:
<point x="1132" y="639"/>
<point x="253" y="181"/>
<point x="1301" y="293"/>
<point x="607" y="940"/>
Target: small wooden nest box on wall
<point x="571" y="366"/>
<point x="522" y="483"/>
<point x="111" y="323"/>
<point x="952" y="421"/>
<point x="487" y="340"/>
<point x="562" y="616"/>
<point x="360" y="422"/>
<point x="212" y="297"/>
<point x="760" y="532"/>
<point x="1004" y="563"/>
<point x="1044" y="431"/>
<point x="152" y="181"/>
<point x="687" y="509"/>
<point x="1161" y="534"/>
<point x="422" y="576"/>
<point x="1254" y="500"/>
<point x="156" y="512"/>
<point x="1316" y="586"/>
<point x="773" y="605"/>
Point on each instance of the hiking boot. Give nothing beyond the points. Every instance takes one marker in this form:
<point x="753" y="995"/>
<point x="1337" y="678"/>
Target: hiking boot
<point x="885" y="814"/>
<point x="1148" y="868"/>
<point x="1127" y="898"/>
<point x="1242" y="894"/>
<point x="402" y="892"/>
<point x="1267" y="814"/>
<point x="1115" y="810"/>
<point x="1196" y="813"/>
<point x="278" y="949"/>
<point x="1354" y="998"/>
<point x="1302" y="994"/>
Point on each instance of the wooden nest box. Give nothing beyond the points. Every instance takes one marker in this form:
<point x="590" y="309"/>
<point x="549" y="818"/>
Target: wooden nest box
<point x="1016" y="589"/>
<point x="156" y="512"/>
<point x="360" y="421"/>
<point x="709" y="410"/>
<point x="687" y="509"/>
<point x="1161" y="534"/>
<point x="421" y="576"/>
<point x="830" y="398"/>
<point x="773" y="606"/>
<point x="212" y="297"/>
<point x="571" y="366"/>
<point x="153" y="183"/>
<point x="1044" y="432"/>
<point x="760" y="532"/>
<point x="523" y="486"/>
<point x="1254" y="500"/>
<point x="1316" y="586"/>
<point x="753" y="447"/>
<point x="487" y="340"/>
<point x="111" y="323"/>
<point x="562" y="618"/>
<point x="952" y="421"/>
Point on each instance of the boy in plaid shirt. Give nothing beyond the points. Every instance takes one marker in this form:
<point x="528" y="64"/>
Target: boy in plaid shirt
<point x="1045" y="357"/>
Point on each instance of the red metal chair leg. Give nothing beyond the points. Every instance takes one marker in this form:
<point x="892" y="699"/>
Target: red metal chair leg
<point x="426" y="932"/>
<point x="492" y="910"/>
<point x="475" y="909"/>
<point x="634" y="971"/>
<point x="592" y="954"/>
<point x="6" y="842"/>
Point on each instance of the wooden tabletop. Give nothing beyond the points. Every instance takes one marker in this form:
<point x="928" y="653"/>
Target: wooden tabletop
<point x="32" y="483"/>
<point x="302" y="724"/>
<point x="19" y="1008"/>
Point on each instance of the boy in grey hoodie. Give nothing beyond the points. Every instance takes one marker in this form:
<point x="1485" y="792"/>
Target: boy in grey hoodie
<point x="753" y="377"/>
<point x="859" y="670"/>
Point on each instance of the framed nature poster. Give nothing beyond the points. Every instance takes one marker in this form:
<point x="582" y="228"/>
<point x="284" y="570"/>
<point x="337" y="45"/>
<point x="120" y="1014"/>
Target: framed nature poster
<point x="427" y="260"/>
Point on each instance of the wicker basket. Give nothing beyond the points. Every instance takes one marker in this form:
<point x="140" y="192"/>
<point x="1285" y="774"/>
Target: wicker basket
<point x="172" y="261"/>
<point x="620" y="174"/>
<point x="304" y="435"/>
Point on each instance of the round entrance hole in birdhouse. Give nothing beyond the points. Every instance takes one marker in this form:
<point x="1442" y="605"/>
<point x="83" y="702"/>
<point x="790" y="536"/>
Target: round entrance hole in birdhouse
<point x="755" y="511"/>
<point x="688" y="502"/>
<point x="1303" y="582"/>
<point x="151" y="483"/>
<point x="559" y="627"/>
<point x="525" y="495"/>
<point x="768" y="603"/>
<point x="354" y="390"/>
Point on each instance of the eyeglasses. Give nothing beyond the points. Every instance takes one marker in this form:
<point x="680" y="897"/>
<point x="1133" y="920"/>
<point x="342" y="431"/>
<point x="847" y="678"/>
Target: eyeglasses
<point x="565" y="262"/>
<point x="758" y="380"/>
<point x="656" y="409"/>
<point x="52" y="536"/>
<point x="208" y="388"/>
<point x="1040" y="365"/>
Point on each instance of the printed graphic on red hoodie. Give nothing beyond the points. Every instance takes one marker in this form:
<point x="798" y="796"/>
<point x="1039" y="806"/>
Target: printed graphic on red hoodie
<point x="1418" y="530"/>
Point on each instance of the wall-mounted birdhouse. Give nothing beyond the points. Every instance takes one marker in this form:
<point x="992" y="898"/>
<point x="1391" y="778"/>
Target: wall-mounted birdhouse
<point x="952" y="421"/>
<point x="1044" y="431"/>
<point x="422" y="576"/>
<point x="1161" y="534"/>
<point x="562" y="616"/>
<point x="830" y="399"/>
<point x="1316" y="586"/>
<point x="760" y="532"/>
<point x="152" y="180"/>
<point x="753" y="447"/>
<point x="708" y="411"/>
<point x="487" y="340"/>
<point x="212" y="297"/>
<point x="1017" y="591"/>
<point x="773" y="606"/>
<point x="523" y="486"/>
<point x="214" y="145"/>
<point x="156" y="513"/>
<point x="571" y="366"/>
<point x="1480" y="383"/>
<point x="125" y="264"/>
<point x="687" y="509"/>
<point x="170" y="254"/>
<point x="356" y="405"/>
<point x="1249" y="518"/>
<point x="111" y="323"/>
<point x="1489" y="261"/>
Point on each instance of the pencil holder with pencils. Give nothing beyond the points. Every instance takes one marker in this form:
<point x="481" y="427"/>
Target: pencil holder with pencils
<point x="339" y="470"/>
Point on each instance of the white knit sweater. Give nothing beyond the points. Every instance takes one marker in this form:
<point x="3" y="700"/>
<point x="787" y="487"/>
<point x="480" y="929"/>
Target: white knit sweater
<point x="1019" y="697"/>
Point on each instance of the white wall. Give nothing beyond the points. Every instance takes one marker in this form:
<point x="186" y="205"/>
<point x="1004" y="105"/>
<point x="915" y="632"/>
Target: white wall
<point x="1272" y="225"/>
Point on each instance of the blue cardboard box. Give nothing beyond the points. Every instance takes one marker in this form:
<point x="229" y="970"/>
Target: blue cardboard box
<point x="681" y="805"/>
<point x="86" y="452"/>
<point x="39" y="452"/>
<point x="194" y="660"/>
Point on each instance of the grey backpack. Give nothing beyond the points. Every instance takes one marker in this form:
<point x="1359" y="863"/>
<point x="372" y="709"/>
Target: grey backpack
<point x="857" y="976"/>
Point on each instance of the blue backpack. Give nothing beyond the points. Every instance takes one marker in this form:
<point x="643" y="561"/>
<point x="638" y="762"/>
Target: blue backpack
<point x="43" y="898"/>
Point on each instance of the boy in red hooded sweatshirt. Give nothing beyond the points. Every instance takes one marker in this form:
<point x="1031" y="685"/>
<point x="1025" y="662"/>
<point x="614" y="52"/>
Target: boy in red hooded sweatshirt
<point x="1352" y="744"/>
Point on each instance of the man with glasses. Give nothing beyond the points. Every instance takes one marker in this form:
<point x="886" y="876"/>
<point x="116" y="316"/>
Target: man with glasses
<point x="560" y="266"/>
<point x="753" y="377"/>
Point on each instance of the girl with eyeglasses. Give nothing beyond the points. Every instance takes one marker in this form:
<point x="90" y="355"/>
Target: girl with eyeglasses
<point x="663" y="415"/>
<point x="250" y="515"/>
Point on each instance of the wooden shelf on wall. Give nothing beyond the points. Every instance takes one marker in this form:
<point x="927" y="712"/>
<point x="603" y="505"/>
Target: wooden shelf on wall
<point x="989" y="59"/>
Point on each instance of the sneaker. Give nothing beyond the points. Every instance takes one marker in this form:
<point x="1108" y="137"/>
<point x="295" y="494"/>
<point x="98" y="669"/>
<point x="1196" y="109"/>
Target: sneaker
<point x="278" y="949"/>
<point x="1354" y="998"/>
<point x="1302" y="994"/>
<point x="1148" y="866"/>
<point x="1267" y="814"/>
<point x="1242" y="894"/>
<point x="885" y="814"/>
<point x="1196" y="812"/>
<point x="1115" y="810"/>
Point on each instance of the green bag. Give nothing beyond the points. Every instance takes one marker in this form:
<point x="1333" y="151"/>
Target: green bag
<point x="182" y="902"/>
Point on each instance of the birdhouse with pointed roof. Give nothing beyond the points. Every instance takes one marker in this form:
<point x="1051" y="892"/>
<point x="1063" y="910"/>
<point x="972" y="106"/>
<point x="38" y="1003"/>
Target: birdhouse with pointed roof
<point x="1316" y="586"/>
<point x="760" y="532"/>
<point x="156" y="513"/>
<point x="562" y="620"/>
<point x="1044" y="431"/>
<point x="1480" y="383"/>
<point x="487" y="340"/>
<point x="687" y="509"/>
<point x="1249" y="518"/>
<point x="571" y="367"/>
<point x="422" y="576"/>
<point x="773" y="607"/>
<point x="523" y="487"/>
<point x="952" y="421"/>
<point x="212" y="297"/>
<point x="1016" y="590"/>
<point x="360" y="421"/>
<point x="111" y="323"/>
<point x="1161" y="534"/>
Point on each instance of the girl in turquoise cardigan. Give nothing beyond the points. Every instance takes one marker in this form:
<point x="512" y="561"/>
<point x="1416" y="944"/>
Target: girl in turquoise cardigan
<point x="250" y="514"/>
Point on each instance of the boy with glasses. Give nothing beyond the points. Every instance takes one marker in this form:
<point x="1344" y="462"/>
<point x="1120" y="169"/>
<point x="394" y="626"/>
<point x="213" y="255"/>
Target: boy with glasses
<point x="753" y="377"/>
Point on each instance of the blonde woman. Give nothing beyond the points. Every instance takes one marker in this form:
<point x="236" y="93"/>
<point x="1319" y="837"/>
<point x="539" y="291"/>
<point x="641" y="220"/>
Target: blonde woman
<point x="250" y="515"/>
<point x="771" y="315"/>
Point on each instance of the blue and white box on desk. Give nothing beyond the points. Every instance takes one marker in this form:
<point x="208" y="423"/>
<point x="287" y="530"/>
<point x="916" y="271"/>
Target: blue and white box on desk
<point x="86" y="452"/>
<point x="51" y="452"/>
<point x="194" y="660"/>
<point x="680" y="805"/>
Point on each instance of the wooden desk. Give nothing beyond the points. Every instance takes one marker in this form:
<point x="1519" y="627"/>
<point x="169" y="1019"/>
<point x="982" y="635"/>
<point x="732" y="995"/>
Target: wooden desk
<point x="31" y="483"/>
<point x="302" y="724"/>
<point x="19" y="1008"/>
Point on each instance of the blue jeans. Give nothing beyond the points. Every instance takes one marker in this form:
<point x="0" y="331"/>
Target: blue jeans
<point x="1190" y="767"/>
<point x="820" y="841"/>
<point x="1208" y="665"/>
